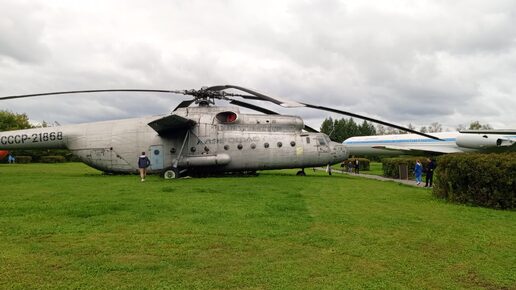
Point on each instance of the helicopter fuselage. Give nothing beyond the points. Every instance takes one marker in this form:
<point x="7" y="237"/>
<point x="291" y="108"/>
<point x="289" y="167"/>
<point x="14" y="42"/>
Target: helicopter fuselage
<point x="214" y="139"/>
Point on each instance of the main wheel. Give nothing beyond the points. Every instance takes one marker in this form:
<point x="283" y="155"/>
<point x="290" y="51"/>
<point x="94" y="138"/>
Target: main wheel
<point x="301" y="173"/>
<point x="171" y="173"/>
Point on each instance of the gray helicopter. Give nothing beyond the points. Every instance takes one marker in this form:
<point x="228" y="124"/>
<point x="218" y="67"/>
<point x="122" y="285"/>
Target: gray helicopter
<point x="203" y="139"/>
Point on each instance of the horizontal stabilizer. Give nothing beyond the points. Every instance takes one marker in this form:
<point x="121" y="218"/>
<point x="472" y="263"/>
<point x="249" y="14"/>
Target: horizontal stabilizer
<point x="171" y="123"/>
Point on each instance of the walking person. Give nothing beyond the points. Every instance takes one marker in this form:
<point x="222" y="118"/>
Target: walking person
<point x="143" y="164"/>
<point x="328" y="169"/>
<point x="430" y="172"/>
<point x="357" y="166"/>
<point x="418" y="171"/>
<point x="11" y="159"/>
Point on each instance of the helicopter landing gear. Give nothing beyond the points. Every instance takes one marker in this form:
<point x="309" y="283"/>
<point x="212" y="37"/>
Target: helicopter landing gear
<point x="171" y="173"/>
<point x="301" y="172"/>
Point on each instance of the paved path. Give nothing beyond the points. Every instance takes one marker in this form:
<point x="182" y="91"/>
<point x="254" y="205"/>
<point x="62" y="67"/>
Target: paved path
<point x="407" y="182"/>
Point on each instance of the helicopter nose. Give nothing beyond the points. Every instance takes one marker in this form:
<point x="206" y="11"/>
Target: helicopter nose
<point x="340" y="153"/>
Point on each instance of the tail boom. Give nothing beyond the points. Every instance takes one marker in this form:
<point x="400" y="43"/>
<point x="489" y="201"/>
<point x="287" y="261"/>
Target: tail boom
<point x="38" y="138"/>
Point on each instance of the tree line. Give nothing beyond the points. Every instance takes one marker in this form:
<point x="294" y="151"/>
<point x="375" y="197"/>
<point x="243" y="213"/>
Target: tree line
<point x="341" y="129"/>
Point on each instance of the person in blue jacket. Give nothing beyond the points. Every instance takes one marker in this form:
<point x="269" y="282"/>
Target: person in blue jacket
<point x="418" y="171"/>
<point x="143" y="163"/>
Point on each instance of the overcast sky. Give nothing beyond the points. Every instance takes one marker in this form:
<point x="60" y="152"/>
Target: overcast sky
<point x="418" y="62"/>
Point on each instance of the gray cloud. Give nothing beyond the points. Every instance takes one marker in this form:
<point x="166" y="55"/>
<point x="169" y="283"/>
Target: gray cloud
<point x="402" y="61"/>
<point x="21" y="33"/>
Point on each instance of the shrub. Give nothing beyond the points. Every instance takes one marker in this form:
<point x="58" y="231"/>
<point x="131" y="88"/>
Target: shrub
<point x="487" y="180"/>
<point x="52" y="159"/>
<point x="23" y="159"/>
<point x="37" y="154"/>
<point x="391" y="169"/>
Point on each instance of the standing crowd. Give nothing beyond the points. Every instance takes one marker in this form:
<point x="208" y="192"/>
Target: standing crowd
<point x="353" y="166"/>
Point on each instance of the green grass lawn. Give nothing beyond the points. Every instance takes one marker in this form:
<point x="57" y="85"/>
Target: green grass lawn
<point x="375" y="168"/>
<point x="68" y="226"/>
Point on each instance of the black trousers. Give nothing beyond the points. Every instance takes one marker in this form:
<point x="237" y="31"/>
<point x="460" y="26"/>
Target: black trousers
<point x="429" y="179"/>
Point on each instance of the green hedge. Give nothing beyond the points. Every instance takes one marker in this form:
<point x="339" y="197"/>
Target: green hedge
<point x="487" y="180"/>
<point x="391" y="169"/>
<point x="23" y="159"/>
<point x="37" y="154"/>
<point x="52" y="159"/>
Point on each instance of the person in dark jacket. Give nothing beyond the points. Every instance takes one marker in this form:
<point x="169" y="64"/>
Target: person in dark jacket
<point x="430" y="172"/>
<point x="357" y="166"/>
<point x="143" y="164"/>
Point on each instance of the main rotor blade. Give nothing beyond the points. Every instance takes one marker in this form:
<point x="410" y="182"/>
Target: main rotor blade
<point x="183" y="104"/>
<point x="253" y="107"/>
<point x="287" y="103"/>
<point x="266" y="111"/>
<point x="371" y="119"/>
<point x="277" y="101"/>
<point x="90" y="91"/>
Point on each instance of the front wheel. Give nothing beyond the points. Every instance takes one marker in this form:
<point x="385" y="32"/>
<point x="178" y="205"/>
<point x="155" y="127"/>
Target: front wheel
<point x="171" y="173"/>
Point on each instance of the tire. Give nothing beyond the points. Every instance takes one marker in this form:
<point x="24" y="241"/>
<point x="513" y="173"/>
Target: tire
<point x="171" y="173"/>
<point x="301" y="173"/>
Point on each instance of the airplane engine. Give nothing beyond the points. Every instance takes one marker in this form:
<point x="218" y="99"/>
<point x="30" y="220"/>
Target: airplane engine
<point x="479" y="141"/>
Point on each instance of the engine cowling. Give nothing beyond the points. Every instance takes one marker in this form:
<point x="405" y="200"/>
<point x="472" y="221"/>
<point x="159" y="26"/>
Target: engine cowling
<point x="480" y="141"/>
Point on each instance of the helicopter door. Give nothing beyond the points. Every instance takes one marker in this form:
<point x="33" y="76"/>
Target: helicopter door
<point x="156" y="157"/>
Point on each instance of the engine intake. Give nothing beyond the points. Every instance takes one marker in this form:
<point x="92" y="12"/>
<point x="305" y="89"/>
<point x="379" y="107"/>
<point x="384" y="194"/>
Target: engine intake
<point x="227" y="117"/>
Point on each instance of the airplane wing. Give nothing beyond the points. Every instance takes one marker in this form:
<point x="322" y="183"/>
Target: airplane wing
<point x="419" y="149"/>
<point x="171" y="123"/>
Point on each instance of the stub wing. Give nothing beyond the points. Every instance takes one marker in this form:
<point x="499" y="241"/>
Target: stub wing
<point x="419" y="149"/>
<point x="170" y="124"/>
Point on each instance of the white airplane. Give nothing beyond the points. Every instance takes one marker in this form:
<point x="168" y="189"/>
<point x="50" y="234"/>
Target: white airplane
<point x="451" y="142"/>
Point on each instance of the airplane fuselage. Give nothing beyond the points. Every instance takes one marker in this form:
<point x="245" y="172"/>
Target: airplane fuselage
<point x="451" y="142"/>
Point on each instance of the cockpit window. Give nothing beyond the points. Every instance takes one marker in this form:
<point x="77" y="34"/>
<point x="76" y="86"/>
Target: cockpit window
<point x="321" y="141"/>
